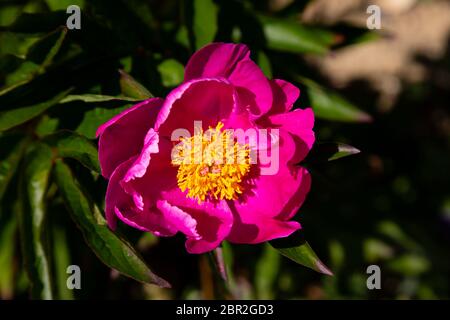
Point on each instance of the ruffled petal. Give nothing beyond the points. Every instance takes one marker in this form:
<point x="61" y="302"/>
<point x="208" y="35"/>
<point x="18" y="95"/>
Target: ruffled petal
<point x="146" y="178"/>
<point x="119" y="204"/>
<point x="123" y="136"/>
<point x="214" y="220"/>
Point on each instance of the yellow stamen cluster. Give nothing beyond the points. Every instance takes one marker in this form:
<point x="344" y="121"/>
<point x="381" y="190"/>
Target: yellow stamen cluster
<point x="212" y="165"/>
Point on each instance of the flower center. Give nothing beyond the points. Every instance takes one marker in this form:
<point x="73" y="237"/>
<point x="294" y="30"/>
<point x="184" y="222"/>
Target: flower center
<point x="212" y="165"/>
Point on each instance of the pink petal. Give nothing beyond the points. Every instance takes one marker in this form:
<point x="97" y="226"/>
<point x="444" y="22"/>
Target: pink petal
<point x="299" y="123"/>
<point x="215" y="60"/>
<point x="206" y="100"/>
<point x="153" y="176"/>
<point x="179" y="219"/>
<point x="120" y="205"/>
<point x="253" y="87"/>
<point x="214" y="220"/>
<point x="232" y="62"/>
<point x="263" y="215"/>
<point x="284" y="96"/>
<point x="123" y="136"/>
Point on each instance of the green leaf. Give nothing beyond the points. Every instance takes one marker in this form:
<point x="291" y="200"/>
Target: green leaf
<point x="290" y="36"/>
<point x="131" y="88"/>
<point x="264" y="64"/>
<point x="329" y="151"/>
<point x="44" y="51"/>
<point x="55" y="5"/>
<point x="14" y="147"/>
<point x="109" y="247"/>
<point x="409" y="264"/>
<point x="40" y="55"/>
<point x="67" y="144"/>
<point x="204" y="22"/>
<point x="92" y="119"/>
<point x="172" y="72"/>
<point x="34" y="184"/>
<point x="61" y="256"/>
<point x="12" y="118"/>
<point x="94" y="98"/>
<point x="267" y="270"/>
<point x="297" y="249"/>
<point x="7" y="241"/>
<point x="331" y="106"/>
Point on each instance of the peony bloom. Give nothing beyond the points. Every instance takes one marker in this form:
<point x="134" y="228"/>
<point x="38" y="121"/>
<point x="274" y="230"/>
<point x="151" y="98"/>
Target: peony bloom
<point x="153" y="185"/>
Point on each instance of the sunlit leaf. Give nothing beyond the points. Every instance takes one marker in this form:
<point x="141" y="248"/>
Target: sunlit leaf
<point x="329" y="151"/>
<point x="297" y="249"/>
<point x="290" y="36"/>
<point x="92" y="98"/>
<point x="172" y="72"/>
<point x="204" y="22"/>
<point x="331" y="106"/>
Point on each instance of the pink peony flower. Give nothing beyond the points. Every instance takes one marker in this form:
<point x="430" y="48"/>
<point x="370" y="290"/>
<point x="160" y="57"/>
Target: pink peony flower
<point x="212" y="199"/>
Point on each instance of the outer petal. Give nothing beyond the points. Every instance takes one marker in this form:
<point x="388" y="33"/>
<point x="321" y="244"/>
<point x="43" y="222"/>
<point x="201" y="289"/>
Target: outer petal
<point x="284" y="96"/>
<point x="299" y="123"/>
<point x="120" y="204"/>
<point x="263" y="215"/>
<point x="146" y="178"/>
<point x="215" y="60"/>
<point x="208" y="100"/>
<point x="232" y="61"/>
<point x="253" y="87"/>
<point x="214" y="220"/>
<point x="123" y="136"/>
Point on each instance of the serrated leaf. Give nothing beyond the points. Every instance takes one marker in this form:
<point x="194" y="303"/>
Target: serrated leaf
<point x="109" y="247"/>
<point x="297" y="249"/>
<point x="131" y="88"/>
<point x="204" y="22"/>
<point x="331" y="106"/>
<point x="14" y="117"/>
<point x="67" y="144"/>
<point x="290" y="36"/>
<point x="34" y="184"/>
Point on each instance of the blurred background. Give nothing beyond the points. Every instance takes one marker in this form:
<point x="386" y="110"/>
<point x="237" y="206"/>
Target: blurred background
<point x="386" y="92"/>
